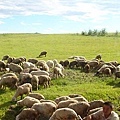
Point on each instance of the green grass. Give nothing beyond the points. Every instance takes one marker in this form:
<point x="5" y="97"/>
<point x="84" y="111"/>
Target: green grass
<point x="60" y="47"/>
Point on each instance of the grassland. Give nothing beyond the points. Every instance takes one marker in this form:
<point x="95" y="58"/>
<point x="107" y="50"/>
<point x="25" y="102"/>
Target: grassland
<point x="60" y="47"/>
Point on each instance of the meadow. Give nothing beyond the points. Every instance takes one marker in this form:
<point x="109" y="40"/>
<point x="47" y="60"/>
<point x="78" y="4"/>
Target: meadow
<point x="61" y="47"/>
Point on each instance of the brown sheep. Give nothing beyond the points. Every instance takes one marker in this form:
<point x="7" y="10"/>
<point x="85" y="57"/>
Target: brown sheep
<point x="43" y="53"/>
<point x="36" y="95"/>
<point x="27" y="114"/>
<point x="22" y="89"/>
<point x="35" y="82"/>
<point x="44" y="80"/>
<point x="45" y="109"/>
<point x="9" y="81"/>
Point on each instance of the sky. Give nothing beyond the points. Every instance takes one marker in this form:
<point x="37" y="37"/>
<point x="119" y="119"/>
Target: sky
<point x="59" y="16"/>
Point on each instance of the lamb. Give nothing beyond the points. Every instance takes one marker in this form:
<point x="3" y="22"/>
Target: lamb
<point x="36" y="95"/>
<point x="45" y="109"/>
<point x="57" y="72"/>
<point x="81" y="108"/>
<point x="95" y="104"/>
<point x="27" y="101"/>
<point x="9" y="81"/>
<point x="40" y="72"/>
<point x="43" y="53"/>
<point x="27" y="114"/>
<point x="44" y="80"/>
<point x="35" y="82"/>
<point x="61" y="98"/>
<point x="22" y="89"/>
<point x="15" y="68"/>
<point x="64" y="114"/>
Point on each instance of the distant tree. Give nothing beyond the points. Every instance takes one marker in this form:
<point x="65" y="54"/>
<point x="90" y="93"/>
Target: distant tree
<point x="95" y="32"/>
<point x="116" y="33"/>
<point x="90" y="32"/>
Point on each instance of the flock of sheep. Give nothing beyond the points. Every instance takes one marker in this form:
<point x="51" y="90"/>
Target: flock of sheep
<point x="27" y="75"/>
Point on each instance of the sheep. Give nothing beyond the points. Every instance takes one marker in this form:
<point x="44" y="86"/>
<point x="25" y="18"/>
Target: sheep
<point x="64" y="114"/>
<point x="2" y="65"/>
<point x="25" y="78"/>
<point x="63" y="104"/>
<point x="61" y="98"/>
<point x="94" y="110"/>
<point x="43" y="53"/>
<point x="36" y="95"/>
<point x="50" y="63"/>
<point x="40" y="72"/>
<point x="95" y="104"/>
<point x="17" y="61"/>
<point x="9" y="81"/>
<point x="43" y="100"/>
<point x="98" y="57"/>
<point x="57" y="72"/>
<point x="80" y="99"/>
<point x="60" y="66"/>
<point x="73" y="64"/>
<point x="81" y="108"/>
<point x="26" y="88"/>
<point x="27" y="114"/>
<point x="32" y="60"/>
<point x="28" y="65"/>
<point x="45" y="109"/>
<point x="35" y="82"/>
<point x="27" y="101"/>
<point x="117" y="75"/>
<point x="42" y="65"/>
<point x="87" y="68"/>
<point x="15" y="68"/>
<point x="8" y="74"/>
<point x="44" y="80"/>
<point x="93" y="64"/>
<point x="9" y="60"/>
<point x="74" y="95"/>
<point x="5" y="57"/>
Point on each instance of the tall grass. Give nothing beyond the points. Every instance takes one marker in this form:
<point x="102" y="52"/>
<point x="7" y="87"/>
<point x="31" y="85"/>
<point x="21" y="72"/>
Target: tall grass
<point x="60" y="47"/>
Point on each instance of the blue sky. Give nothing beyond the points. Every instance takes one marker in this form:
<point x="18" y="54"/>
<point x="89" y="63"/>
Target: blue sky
<point x="59" y="16"/>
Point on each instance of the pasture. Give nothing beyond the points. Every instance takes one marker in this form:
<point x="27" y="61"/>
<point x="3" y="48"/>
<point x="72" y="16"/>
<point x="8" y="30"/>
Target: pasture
<point x="60" y="47"/>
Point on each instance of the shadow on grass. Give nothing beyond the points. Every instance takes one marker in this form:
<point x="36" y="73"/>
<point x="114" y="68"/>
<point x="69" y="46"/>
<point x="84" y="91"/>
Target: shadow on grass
<point x="2" y="91"/>
<point x="114" y="83"/>
<point x="11" y="112"/>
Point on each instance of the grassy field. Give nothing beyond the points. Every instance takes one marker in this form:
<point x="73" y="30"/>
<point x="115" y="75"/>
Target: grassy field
<point x="60" y="47"/>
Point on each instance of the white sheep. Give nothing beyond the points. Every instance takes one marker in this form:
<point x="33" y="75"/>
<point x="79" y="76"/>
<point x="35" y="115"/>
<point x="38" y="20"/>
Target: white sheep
<point x="61" y="98"/>
<point x="80" y="99"/>
<point x="26" y="65"/>
<point x="45" y="109"/>
<point x="64" y="114"/>
<point x="57" y="72"/>
<point x="27" y="114"/>
<point x="9" y="81"/>
<point x="35" y="82"/>
<point x="50" y="63"/>
<point x="44" y="80"/>
<point x="22" y="89"/>
<point x="36" y="95"/>
<point x="81" y="108"/>
<point x="15" y="68"/>
<point x="8" y="74"/>
<point x="27" y="101"/>
<point x="41" y="72"/>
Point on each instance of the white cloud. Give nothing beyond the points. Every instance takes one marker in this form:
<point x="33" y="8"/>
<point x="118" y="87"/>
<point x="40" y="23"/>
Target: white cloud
<point x="77" y="10"/>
